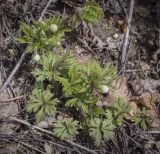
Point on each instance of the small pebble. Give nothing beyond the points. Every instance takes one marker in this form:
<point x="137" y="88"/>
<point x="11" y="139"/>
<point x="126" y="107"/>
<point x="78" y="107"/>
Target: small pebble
<point x="108" y="40"/>
<point x="11" y="52"/>
<point x="150" y="43"/>
<point x="135" y="41"/>
<point x="115" y="36"/>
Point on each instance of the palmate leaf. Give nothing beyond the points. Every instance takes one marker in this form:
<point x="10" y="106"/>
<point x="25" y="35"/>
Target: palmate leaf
<point x="66" y="128"/>
<point x="46" y="72"/>
<point x="73" y="84"/>
<point x="101" y="129"/>
<point x="40" y="114"/>
<point x="42" y="103"/>
<point x="67" y="89"/>
<point x="109" y="114"/>
<point x="42" y="75"/>
<point x="119" y="109"/>
<point x="95" y="130"/>
<point x="142" y="118"/>
<point x="107" y="129"/>
<point x="121" y="106"/>
<point x="48" y="60"/>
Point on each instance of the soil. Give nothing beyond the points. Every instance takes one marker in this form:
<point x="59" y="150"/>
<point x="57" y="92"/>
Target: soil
<point x="139" y="83"/>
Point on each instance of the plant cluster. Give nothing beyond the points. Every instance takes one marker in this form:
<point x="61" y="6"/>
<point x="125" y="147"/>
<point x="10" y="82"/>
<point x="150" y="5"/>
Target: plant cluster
<point x="63" y="85"/>
<point x="42" y="36"/>
<point x="92" y="12"/>
<point x="77" y="84"/>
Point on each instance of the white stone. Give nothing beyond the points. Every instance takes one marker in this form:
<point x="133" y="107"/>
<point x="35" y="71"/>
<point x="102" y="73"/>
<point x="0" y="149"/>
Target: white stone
<point x="115" y="36"/>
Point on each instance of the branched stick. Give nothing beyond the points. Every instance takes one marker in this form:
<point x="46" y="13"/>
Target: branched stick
<point x="50" y="133"/>
<point x="22" y="56"/>
<point x="126" y="38"/>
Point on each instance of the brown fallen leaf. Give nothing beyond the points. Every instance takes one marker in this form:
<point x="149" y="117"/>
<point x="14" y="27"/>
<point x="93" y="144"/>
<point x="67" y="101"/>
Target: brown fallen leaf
<point x="148" y="99"/>
<point x="140" y="86"/>
<point x="122" y="25"/>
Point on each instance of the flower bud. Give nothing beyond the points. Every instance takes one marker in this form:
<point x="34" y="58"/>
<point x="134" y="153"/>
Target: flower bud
<point x="105" y="89"/>
<point x="36" y="57"/>
<point x="53" y="28"/>
<point x="58" y="43"/>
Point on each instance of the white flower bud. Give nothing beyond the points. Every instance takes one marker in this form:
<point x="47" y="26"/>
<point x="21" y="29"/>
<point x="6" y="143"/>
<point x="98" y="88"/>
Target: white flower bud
<point x="53" y="28"/>
<point x="105" y="89"/>
<point x="58" y="43"/>
<point x="36" y="57"/>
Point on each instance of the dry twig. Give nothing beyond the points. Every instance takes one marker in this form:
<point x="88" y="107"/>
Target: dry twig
<point x="126" y="37"/>
<point x="31" y="147"/>
<point x="49" y="132"/>
<point x="14" y="98"/>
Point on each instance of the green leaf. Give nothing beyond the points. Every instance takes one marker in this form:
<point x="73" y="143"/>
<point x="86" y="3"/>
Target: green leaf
<point x="118" y="111"/>
<point x="72" y="72"/>
<point x="100" y="129"/>
<point x="40" y="115"/>
<point x="95" y="130"/>
<point x="109" y="114"/>
<point x="142" y="118"/>
<point x="66" y="128"/>
<point x="107" y="129"/>
<point x="39" y="36"/>
<point x="72" y="102"/>
<point x="93" y="76"/>
<point x="98" y="111"/>
<point x="26" y="29"/>
<point x="42" y="104"/>
<point x="24" y="39"/>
